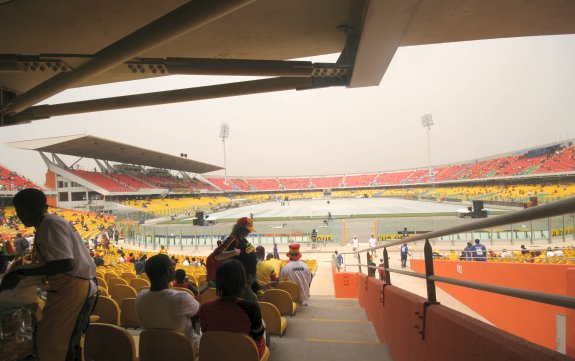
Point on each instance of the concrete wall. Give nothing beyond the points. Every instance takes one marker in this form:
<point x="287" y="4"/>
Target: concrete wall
<point x="531" y="320"/>
<point x="400" y="317"/>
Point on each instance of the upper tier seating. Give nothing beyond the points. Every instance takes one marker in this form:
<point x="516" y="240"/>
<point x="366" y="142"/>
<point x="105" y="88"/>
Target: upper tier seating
<point x="295" y="183"/>
<point x="103" y="181"/>
<point x="11" y="181"/>
<point x="264" y="183"/>
<point x="359" y="180"/>
<point x="327" y="182"/>
<point x="130" y="180"/>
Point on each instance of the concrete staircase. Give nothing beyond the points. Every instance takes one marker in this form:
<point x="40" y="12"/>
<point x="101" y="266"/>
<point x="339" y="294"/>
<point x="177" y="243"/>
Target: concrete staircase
<point x="329" y="329"/>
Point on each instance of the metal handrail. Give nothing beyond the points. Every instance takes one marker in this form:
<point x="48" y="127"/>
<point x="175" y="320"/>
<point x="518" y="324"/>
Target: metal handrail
<point x="543" y="211"/>
<point x="543" y="297"/>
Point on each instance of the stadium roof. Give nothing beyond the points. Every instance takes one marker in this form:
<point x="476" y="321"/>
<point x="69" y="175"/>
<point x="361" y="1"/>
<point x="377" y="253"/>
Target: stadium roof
<point x="88" y="146"/>
<point x="47" y="47"/>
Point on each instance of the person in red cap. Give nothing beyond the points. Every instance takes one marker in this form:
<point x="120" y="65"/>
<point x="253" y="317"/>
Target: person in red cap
<point x="297" y="271"/>
<point x="237" y="246"/>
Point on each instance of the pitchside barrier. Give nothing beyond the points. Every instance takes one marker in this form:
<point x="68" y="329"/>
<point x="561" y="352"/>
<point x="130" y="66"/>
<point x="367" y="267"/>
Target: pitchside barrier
<point x="282" y="232"/>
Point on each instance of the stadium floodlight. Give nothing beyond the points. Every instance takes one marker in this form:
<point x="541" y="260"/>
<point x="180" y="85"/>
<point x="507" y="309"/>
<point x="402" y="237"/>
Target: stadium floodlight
<point x="427" y="122"/>
<point x="224" y="134"/>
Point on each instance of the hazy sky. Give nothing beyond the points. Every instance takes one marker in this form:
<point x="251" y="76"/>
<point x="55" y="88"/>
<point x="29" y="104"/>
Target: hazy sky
<point x="486" y="97"/>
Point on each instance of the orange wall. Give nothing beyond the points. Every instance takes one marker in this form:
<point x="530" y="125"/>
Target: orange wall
<point x="50" y="182"/>
<point x="532" y="320"/>
<point x="344" y="283"/>
<point x="449" y="335"/>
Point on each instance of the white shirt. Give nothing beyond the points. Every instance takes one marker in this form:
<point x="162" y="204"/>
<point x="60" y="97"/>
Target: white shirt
<point x="355" y="243"/>
<point x="56" y="239"/>
<point x="558" y="253"/>
<point x="298" y="272"/>
<point x="167" y="309"/>
<point x="186" y="263"/>
<point x="372" y="242"/>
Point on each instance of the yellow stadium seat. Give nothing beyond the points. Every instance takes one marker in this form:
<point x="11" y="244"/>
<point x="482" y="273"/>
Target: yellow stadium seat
<point x="275" y="323"/>
<point x="209" y="294"/>
<point x="108" y="310"/>
<point x="238" y="346"/>
<point x="282" y="300"/>
<point x="106" y="342"/>
<point x="138" y="283"/>
<point x="116" y="281"/>
<point x="121" y="292"/>
<point x="162" y="344"/>
<point x="128" y="317"/>
<point x="291" y="288"/>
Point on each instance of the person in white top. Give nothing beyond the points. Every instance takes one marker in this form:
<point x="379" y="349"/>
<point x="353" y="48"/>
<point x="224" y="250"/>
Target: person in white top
<point x="59" y="254"/>
<point x="373" y="243"/>
<point x="354" y="243"/>
<point x="558" y="252"/>
<point x="162" y="307"/>
<point x="297" y="271"/>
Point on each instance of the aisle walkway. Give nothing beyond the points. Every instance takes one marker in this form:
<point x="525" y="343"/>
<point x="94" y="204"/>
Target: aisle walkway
<point x="329" y="329"/>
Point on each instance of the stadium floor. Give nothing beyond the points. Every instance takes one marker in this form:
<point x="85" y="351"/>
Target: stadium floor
<point x="339" y="207"/>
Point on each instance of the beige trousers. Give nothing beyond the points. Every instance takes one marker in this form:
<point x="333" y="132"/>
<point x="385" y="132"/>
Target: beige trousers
<point x="66" y="296"/>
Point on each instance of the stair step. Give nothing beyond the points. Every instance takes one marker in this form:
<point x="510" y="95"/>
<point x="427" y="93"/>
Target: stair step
<point x="286" y="349"/>
<point x="337" y="330"/>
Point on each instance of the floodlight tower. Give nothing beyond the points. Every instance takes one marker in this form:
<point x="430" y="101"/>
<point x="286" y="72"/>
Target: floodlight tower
<point x="225" y="133"/>
<point x="427" y="122"/>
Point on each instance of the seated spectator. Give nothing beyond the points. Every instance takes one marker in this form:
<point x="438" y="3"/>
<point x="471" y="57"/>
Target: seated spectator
<point x="524" y="250"/>
<point x="186" y="262"/>
<point x="275" y="262"/>
<point x="229" y="312"/>
<point x="265" y="273"/>
<point x="140" y="265"/>
<point x="131" y="258"/>
<point x="162" y="307"/>
<point x="452" y="256"/>
<point x="381" y="271"/>
<point x="21" y="245"/>
<point x="506" y="254"/>
<point x="558" y="252"/>
<point x="297" y="271"/>
<point x="162" y="250"/>
<point x="99" y="261"/>
<point x="491" y="253"/>
<point x="182" y="281"/>
<point x="550" y="252"/>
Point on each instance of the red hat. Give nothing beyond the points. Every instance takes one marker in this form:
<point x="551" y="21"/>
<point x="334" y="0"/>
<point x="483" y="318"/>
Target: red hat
<point x="294" y="253"/>
<point x="247" y="223"/>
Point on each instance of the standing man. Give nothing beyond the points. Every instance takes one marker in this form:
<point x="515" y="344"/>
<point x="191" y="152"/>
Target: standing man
<point x="468" y="252"/>
<point x="354" y="243"/>
<point x="405" y="233"/>
<point x="21" y="245"/>
<point x="276" y="253"/>
<point x="338" y="260"/>
<point x="479" y="251"/>
<point x="373" y="243"/>
<point x="404" y="252"/>
<point x="297" y="271"/>
<point x="313" y="238"/>
<point x="61" y="256"/>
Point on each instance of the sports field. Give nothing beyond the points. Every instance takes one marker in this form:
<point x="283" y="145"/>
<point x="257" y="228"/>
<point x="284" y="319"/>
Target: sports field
<point x="340" y="208"/>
